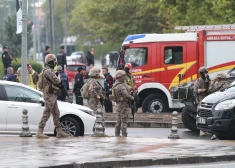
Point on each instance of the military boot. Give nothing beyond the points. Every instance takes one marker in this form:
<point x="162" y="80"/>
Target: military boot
<point x="60" y="133"/>
<point x="124" y="134"/>
<point x="40" y="134"/>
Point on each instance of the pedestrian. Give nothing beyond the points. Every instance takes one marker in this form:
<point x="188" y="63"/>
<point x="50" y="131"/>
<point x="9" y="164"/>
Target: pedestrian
<point x="122" y="97"/>
<point x="108" y="84"/>
<point x="96" y="95"/>
<point x="61" y="58"/>
<point x="6" y="59"/>
<point x="47" y="51"/>
<point x="32" y="78"/>
<point x="47" y="83"/>
<point x="65" y="82"/>
<point x="10" y="76"/>
<point x="129" y="77"/>
<point x="103" y="60"/>
<point x="87" y="74"/>
<point x="218" y="84"/>
<point x="201" y="88"/>
<point x="90" y="57"/>
<point x="79" y="82"/>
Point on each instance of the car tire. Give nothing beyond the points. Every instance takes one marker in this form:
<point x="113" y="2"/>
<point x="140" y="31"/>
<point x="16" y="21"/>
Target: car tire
<point x="155" y="103"/>
<point x="188" y="121"/>
<point x="73" y="127"/>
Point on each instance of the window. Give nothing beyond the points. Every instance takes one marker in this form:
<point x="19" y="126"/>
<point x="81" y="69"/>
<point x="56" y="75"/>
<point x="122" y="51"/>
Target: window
<point x="20" y="94"/>
<point x="173" y="55"/>
<point x="136" y="56"/>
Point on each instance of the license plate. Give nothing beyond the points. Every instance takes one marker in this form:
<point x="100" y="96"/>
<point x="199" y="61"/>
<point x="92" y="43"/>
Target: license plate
<point x="201" y="120"/>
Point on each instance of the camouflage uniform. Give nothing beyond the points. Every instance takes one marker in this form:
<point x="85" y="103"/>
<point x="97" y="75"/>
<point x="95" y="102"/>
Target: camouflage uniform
<point x="50" y="80"/>
<point x="122" y="98"/>
<point x="220" y="83"/>
<point x="201" y="84"/>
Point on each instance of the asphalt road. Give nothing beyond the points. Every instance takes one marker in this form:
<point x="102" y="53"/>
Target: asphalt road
<point x="157" y="133"/>
<point x="208" y="165"/>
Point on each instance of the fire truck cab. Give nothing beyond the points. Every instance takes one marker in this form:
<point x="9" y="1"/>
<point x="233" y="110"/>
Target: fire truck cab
<point x="159" y="59"/>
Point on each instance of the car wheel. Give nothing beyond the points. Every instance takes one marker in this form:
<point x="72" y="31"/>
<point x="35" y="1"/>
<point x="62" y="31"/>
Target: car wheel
<point x="188" y="121"/>
<point x="70" y="126"/>
<point x="155" y="103"/>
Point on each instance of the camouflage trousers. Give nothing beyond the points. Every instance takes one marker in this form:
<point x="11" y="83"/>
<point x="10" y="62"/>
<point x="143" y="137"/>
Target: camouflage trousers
<point x="123" y="111"/>
<point x="51" y="107"/>
<point x="96" y="106"/>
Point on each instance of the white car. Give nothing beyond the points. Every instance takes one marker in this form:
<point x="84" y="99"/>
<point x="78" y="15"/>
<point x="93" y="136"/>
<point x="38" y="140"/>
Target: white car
<point x="77" y="55"/>
<point x="14" y="97"/>
<point x="69" y="60"/>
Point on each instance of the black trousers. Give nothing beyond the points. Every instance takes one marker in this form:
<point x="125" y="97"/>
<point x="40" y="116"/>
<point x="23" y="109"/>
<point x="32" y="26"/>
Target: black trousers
<point x="108" y="106"/>
<point x="79" y="99"/>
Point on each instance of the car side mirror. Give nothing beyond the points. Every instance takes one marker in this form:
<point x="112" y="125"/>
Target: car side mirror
<point x="42" y="101"/>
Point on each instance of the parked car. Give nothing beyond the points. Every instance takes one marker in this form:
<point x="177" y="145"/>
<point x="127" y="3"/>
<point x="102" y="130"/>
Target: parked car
<point x="216" y="113"/>
<point x="76" y="55"/>
<point x="69" y="60"/>
<point x="71" y="71"/>
<point x="76" y="120"/>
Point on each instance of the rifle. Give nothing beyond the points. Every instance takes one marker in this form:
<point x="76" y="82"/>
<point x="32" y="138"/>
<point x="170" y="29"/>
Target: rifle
<point x="61" y="87"/>
<point x="13" y="57"/>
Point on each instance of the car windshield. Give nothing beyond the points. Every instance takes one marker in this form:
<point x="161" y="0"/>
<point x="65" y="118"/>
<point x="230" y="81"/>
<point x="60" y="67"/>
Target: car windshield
<point x="77" y="53"/>
<point x="136" y="56"/>
<point x="231" y="88"/>
<point x="74" y="67"/>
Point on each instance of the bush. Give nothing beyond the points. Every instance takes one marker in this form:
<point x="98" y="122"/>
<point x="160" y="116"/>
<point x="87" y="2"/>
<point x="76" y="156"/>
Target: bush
<point x="15" y="65"/>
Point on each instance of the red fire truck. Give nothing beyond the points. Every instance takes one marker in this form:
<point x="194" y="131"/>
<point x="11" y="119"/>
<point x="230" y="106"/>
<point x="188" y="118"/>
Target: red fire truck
<point x="158" y="60"/>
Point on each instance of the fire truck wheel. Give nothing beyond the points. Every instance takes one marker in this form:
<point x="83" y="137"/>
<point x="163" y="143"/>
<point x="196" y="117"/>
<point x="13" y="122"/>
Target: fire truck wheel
<point x="188" y="121"/>
<point x="155" y="103"/>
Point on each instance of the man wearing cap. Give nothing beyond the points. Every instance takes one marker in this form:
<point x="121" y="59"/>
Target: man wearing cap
<point x="61" y="58"/>
<point x="6" y="59"/>
<point x="65" y="81"/>
<point x="79" y="82"/>
<point x="47" y="51"/>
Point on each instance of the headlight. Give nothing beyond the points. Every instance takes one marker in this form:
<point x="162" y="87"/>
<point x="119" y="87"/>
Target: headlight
<point x="88" y="112"/>
<point x="227" y="104"/>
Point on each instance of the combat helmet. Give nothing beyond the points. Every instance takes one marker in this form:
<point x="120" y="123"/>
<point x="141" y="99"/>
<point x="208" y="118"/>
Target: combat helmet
<point x="49" y="57"/>
<point x="221" y="75"/>
<point x="94" y="71"/>
<point x="120" y="73"/>
<point x="203" y="70"/>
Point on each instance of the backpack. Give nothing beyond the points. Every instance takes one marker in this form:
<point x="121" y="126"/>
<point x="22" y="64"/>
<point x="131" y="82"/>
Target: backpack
<point x="84" y="90"/>
<point x="40" y="81"/>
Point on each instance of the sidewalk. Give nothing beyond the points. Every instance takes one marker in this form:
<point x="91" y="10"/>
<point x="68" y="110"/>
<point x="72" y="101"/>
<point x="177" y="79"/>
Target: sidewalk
<point x="91" y="152"/>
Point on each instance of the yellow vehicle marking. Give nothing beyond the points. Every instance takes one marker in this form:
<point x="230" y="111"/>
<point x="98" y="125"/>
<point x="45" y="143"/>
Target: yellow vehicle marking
<point x="184" y="67"/>
<point x="149" y="71"/>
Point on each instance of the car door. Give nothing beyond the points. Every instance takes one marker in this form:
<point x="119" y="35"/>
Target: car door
<point x="19" y="98"/>
<point x="3" y="111"/>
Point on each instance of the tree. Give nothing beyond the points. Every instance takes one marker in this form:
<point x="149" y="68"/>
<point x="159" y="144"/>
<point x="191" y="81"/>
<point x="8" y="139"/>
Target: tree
<point x="13" y="40"/>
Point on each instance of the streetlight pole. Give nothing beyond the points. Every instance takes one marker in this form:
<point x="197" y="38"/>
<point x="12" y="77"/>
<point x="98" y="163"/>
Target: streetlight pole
<point x="24" y="43"/>
<point x="65" y="28"/>
<point x="34" y="31"/>
<point x="51" y="27"/>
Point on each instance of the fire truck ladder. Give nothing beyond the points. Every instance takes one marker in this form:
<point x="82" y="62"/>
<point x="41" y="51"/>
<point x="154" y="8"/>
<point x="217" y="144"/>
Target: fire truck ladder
<point x="197" y="28"/>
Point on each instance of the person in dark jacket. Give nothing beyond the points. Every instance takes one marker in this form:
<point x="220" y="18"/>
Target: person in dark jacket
<point x="90" y="57"/>
<point x="65" y="81"/>
<point x="10" y="76"/>
<point x="61" y="58"/>
<point x="6" y="59"/>
<point x="108" y="84"/>
<point x="79" y="82"/>
<point x="47" y="51"/>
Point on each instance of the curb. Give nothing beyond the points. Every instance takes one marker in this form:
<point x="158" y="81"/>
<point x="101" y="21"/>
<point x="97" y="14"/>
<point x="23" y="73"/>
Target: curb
<point x="147" y="162"/>
<point x="144" y="124"/>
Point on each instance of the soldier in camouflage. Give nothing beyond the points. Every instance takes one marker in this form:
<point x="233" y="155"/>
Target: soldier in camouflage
<point x="122" y="96"/>
<point x="201" y="87"/>
<point x="219" y="83"/>
<point x="129" y="77"/>
<point x="48" y="86"/>
<point x="96" y="94"/>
